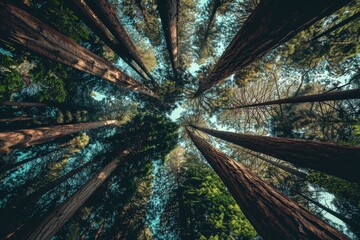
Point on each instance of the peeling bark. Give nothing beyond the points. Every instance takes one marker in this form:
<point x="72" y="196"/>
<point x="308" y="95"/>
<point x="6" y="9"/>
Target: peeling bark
<point x="27" y="137"/>
<point x="20" y="28"/>
<point x="340" y="160"/>
<point x="272" y="23"/>
<point x="273" y="215"/>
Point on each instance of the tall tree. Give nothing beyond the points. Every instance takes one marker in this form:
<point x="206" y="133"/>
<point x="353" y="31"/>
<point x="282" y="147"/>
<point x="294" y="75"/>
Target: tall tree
<point x="20" y="28"/>
<point x="272" y="215"/>
<point x="57" y="218"/>
<point x="28" y="137"/>
<point x="329" y="96"/>
<point x="335" y="159"/>
<point x="102" y="18"/>
<point x="23" y="104"/>
<point x="271" y="24"/>
<point x="169" y="13"/>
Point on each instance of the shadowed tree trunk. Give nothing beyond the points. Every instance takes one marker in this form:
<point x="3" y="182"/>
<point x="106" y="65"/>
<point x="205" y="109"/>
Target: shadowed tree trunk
<point x="27" y="137"/>
<point x="216" y="5"/>
<point x="109" y="16"/>
<point x="20" y="28"/>
<point x="57" y="218"/>
<point x="337" y="26"/>
<point x="144" y="14"/>
<point x="23" y="104"/>
<point x="293" y="171"/>
<point x="168" y="10"/>
<point x="329" y="96"/>
<point x="17" y="119"/>
<point x="272" y="215"/>
<point x="340" y="160"/>
<point x="332" y="212"/>
<point x="272" y="23"/>
<point x="96" y="25"/>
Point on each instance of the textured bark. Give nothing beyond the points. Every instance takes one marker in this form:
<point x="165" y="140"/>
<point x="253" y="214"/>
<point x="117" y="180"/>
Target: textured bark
<point x="57" y="218"/>
<point x="293" y="171"/>
<point x="109" y="16"/>
<point x="340" y="160"/>
<point x="168" y="10"/>
<point x="17" y="119"/>
<point x="272" y="215"/>
<point x="96" y="25"/>
<point x="337" y="26"/>
<point x="144" y="14"/>
<point x="329" y="96"/>
<point x="28" y="137"/>
<point x="332" y="212"/>
<point x="272" y="23"/>
<point x="20" y="28"/>
<point x="23" y="104"/>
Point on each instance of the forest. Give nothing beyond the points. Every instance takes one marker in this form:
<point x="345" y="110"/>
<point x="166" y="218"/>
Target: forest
<point x="180" y="119"/>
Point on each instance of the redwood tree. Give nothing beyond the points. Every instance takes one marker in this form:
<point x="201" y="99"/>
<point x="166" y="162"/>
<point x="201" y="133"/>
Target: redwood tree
<point x="23" y="104"/>
<point x="28" y="137"/>
<point x="169" y="13"/>
<point x="272" y="23"/>
<point x="272" y="215"/>
<point x="20" y="28"/>
<point x="340" y="160"/>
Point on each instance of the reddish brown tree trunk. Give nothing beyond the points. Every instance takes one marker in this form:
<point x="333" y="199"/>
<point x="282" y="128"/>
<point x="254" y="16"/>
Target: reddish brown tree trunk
<point x="144" y="14"/>
<point x="109" y="16"/>
<point x="272" y="215"/>
<point x="329" y="96"/>
<point x="20" y="28"/>
<point x="293" y="171"/>
<point x="340" y="160"/>
<point x="332" y="212"/>
<point x="96" y="25"/>
<point x="28" y="137"/>
<point x="272" y="23"/>
<point x="23" y="104"/>
<point x="168" y="10"/>
<point x="57" y="218"/>
<point x="337" y="26"/>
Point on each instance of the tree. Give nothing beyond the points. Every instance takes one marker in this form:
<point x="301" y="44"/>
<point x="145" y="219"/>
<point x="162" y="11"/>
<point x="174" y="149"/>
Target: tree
<point x="252" y="42"/>
<point x="28" y="137"/>
<point x="52" y="44"/>
<point x="272" y="215"/>
<point x="335" y="159"/>
<point x="56" y="219"/>
<point x="328" y="96"/>
<point x="23" y="104"/>
<point x="169" y="11"/>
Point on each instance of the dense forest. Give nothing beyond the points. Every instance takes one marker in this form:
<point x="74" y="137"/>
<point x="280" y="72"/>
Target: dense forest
<point x="179" y="119"/>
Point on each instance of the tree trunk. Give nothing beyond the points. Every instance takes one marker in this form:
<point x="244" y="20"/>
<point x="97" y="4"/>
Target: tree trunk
<point x="340" y="160"/>
<point x="144" y="14"/>
<point x="216" y="5"/>
<point x="168" y="10"/>
<point x="57" y="218"/>
<point x="28" y="137"/>
<point x="23" y="104"/>
<point x="272" y="215"/>
<point x="20" y="28"/>
<point x="332" y="212"/>
<point x="329" y="96"/>
<point x="109" y="16"/>
<point x="17" y="119"/>
<point x="290" y="170"/>
<point x="96" y="25"/>
<point x="272" y="23"/>
<point x="337" y="26"/>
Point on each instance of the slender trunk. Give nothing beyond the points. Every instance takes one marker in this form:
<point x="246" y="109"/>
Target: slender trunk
<point x="340" y="160"/>
<point x="293" y="171"/>
<point x="337" y="26"/>
<point x="144" y="14"/>
<point x="20" y="28"/>
<point x="332" y="212"/>
<point x="109" y="16"/>
<point x="23" y="104"/>
<point x="272" y="23"/>
<point x="210" y="21"/>
<point x="28" y="137"/>
<point x="329" y="96"/>
<point x="168" y="10"/>
<point x="97" y="26"/>
<point x="57" y="218"/>
<point x="272" y="215"/>
<point x="17" y="119"/>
